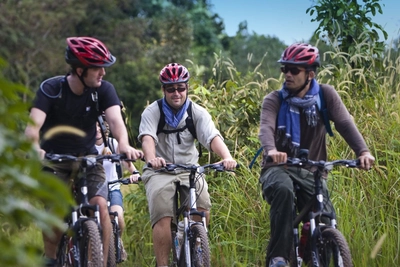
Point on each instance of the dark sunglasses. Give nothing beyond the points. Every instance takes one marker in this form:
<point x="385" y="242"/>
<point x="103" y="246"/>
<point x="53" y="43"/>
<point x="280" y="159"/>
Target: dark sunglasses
<point x="172" y="89"/>
<point x="293" y="70"/>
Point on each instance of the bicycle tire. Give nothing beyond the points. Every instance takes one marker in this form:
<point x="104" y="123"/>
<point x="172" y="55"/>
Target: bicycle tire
<point x="90" y="245"/>
<point x="200" y="250"/>
<point x="117" y="241"/>
<point x="65" y="257"/>
<point x="333" y="249"/>
<point x="111" y="260"/>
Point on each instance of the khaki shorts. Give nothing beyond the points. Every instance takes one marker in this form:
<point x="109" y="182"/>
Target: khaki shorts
<point x="160" y="192"/>
<point x="69" y="171"/>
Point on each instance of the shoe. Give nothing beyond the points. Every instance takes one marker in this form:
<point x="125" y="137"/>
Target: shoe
<point x="278" y="262"/>
<point x="124" y="255"/>
<point x="50" y="262"/>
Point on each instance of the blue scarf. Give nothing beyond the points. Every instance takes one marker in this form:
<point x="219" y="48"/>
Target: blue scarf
<point x="171" y="118"/>
<point x="289" y="115"/>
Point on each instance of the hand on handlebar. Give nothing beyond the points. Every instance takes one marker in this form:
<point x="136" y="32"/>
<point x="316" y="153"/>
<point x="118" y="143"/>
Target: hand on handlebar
<point x="156" y="163"/>
<point x="229" y="164"/>
<point x="130" y="152"/>
<point x="277" y="157"/>
<point x="134" y="177"/>
<point x="366" y="160"/>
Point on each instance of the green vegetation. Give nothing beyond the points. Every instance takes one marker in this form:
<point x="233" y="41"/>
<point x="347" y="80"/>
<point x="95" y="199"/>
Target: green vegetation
<point x="23" y="186"/>
<point x="367" y="203"/>
<point x="230" y="77"/>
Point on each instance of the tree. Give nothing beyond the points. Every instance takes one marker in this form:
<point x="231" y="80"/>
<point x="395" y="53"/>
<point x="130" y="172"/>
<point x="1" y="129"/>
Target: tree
<point x="346" y="24"/>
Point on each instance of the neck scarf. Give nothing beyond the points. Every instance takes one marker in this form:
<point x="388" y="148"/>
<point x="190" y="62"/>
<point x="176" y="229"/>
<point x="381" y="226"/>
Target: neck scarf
<point x="172" y="118"/>
<point x="289" y="115"/>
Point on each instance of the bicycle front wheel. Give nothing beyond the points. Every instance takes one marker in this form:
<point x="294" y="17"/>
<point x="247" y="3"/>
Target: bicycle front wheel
<point x="333" y="249"/>
<point x="199" y="247"/>
<point x="65" y="253"/>
<point x="112" y="260"/>
<point x="90" y="245"/>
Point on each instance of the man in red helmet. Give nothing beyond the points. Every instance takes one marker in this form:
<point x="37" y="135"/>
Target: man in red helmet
<point x="174" y="143"/>
<point x="290" y="120"/>
<point x="77" y="99"/>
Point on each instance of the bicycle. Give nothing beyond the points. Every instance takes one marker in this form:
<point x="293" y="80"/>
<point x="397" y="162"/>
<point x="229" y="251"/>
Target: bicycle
<point x="81" y="244"/>
<point x="116" y="231"/>
<point x="192" y="249"/>
<point x="325" y="245"/>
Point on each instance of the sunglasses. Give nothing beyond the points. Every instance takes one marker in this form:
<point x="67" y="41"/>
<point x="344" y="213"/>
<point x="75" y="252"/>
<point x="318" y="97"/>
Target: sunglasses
<point x="292" y="70"/>
<point x="173" y="89"/>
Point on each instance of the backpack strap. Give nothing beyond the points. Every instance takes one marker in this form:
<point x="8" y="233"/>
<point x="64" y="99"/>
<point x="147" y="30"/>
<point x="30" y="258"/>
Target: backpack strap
<point x="189" y="124"/>
<point x="189" y="121"/>
<point x="111" y="146"/>
<point x="324" y="111"/>
<point x="321" y="108"/>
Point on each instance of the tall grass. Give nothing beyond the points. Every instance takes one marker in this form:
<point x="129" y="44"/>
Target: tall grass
<point x="367" y="203"/>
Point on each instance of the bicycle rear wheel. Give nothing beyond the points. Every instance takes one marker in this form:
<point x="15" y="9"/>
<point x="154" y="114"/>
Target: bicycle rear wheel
<point x="90" y="245"/>
<point x="333" y="249"/>
<point x="199" y="247"/>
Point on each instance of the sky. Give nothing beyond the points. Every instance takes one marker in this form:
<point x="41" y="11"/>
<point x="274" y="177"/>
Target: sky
<point x="288" y="20"/>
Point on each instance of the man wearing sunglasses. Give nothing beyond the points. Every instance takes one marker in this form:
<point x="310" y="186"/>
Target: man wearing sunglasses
<point x="290" y="121"/>
<point x="175" y="144"/>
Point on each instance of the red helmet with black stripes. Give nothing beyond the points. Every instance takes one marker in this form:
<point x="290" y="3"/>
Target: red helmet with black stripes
<point x="174" y="73"/>
<point x="301" y="54"/>
<point x="87" y="52"/>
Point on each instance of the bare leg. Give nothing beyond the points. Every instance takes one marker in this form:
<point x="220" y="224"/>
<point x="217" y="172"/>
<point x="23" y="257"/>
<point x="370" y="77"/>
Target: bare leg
<point x="162" y="240"/>
<point x="121" y="221"/>
<point x="51" y="243"/>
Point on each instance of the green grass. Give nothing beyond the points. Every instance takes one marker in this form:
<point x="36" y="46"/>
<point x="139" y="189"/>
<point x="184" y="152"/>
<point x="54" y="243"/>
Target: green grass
<point x="367" y="203"/>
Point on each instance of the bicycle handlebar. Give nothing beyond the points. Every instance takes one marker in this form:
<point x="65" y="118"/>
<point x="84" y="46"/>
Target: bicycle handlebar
<point x="195" y="168"/>
<point x="125" y="181"/>
<point x="321" y="164"/>
<point x="89" y="158"/>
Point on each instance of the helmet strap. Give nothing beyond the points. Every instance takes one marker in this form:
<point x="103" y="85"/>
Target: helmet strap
<point x="299" y="90"/>
<point x="81" y="77"/>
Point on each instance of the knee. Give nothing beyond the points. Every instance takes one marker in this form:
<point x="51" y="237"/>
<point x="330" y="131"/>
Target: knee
<point x="278" y="190"/>
<point x="163" y="223"/>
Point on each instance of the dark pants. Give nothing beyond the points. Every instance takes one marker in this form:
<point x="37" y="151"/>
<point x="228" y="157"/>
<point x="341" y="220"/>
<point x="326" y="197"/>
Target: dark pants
<point x="277" y="188"/>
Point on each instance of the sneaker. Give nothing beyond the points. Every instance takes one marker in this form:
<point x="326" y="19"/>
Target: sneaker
<point x="50" y="262"/>
<point x="278" y="262"/>
<point x="124" y="255"/>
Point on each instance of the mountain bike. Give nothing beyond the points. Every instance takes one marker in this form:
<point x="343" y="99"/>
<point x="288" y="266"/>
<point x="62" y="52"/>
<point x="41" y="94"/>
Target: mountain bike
<point x="190" y="238"/>
<point x="81" y="244"/>
<point x="324" y="245"/>
<point x="116" y="231"/>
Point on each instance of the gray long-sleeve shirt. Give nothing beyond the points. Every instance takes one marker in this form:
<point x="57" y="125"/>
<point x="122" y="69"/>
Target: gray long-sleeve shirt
<point x="311" y="138"/>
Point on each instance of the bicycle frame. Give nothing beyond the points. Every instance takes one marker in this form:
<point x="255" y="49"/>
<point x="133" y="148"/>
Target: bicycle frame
<point x="187" y="216"/>
<point x="82" y="213"/>
<point x="114" y="219"/>
<point x="195" y="232"/>
<point x="314" y="207"/>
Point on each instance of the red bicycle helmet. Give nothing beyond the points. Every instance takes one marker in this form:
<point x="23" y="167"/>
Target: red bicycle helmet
<point x="174" y="73"/>
<point x="301" y="54"/>
<point x="87" y="52"/>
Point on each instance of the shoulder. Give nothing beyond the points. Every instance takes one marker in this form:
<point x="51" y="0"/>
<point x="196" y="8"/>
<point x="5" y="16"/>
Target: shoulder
<point x="106" y="88"/>
<point x="272" y="97"/>
<point x="328" y="91"/>
<point x="153" y="107"/>
<point x="52" y="86"/>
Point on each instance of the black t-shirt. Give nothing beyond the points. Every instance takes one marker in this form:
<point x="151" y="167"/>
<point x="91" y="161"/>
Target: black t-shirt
<point x="63" y="107"/>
